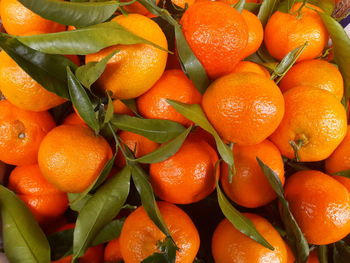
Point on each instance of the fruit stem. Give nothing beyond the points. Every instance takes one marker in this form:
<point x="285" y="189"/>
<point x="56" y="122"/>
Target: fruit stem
<point x="296" y="145"/>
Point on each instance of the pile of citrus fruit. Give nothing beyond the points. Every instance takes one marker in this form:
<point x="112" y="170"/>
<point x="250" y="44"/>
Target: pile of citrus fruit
<point x="181" y="131"/>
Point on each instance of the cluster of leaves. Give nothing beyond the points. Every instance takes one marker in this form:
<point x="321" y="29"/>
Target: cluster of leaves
<point x="41" y="57"/>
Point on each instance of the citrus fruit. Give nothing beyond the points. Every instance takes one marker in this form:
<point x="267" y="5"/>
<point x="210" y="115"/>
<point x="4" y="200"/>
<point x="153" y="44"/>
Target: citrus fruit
<point x="245" y="108"/>
<point x="112" y="251"/>
<point x="135" y="68"/>
<point x="140" y="236"/>
<point x="315" y="122"/>
<point x="297" y="29"/>
<point x="320" y="205"/>
<point x="21" y="133"/>
<point x="18" y="20"/>
<point x="313" y="257"/>
<point x="72" y="156"/>
<point x="340" y="160"/>
<point x="315" y="73"/>
<point x="247" y="66"/>
<point x="255" y="32"/>
<point x="217" y="35"/>
<point x="74" y="119"/>
<point x="183" y="3"/>
<point x="172" y="85"/>
<point x="188" y="176"/>
<point x="44" y="200"/>
<point x="23" y="91"/>
<point x="249" y="186"/>
<point x="230" y="245"/>
<point x="121" y="108"/>
<point x="137" y="8"/>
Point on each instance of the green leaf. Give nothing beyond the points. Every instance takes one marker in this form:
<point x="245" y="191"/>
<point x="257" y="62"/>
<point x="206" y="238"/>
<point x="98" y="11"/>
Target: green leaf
<point x="61" y="244"/>
<point x="341" y="49"/>
<point x="341" y="252"/>
<point x="326" y="5"/>
<point x="286" y="5"/>
<point x="167" y="253"/>
<point x="252" y="7"/>
<point x="89" y="73"/>
<point x="156" y="130"/>
<point x="23" y="239"/>
<point x="322" y="253"/>
<point x="267" y="8"/>
<point x="84" y="40"/>
<point x="81" y="101"/>
<point x="131" y="104"/>
<point x="239" y="6"/>
<point x="109" y="111"/>
<point x="345" y="173"/>
<point x="76" y="203"/>
<point x="294" y="233"/>
<point x="239" y="221"/>
<point x="72" y="13"/>
<point x="99" y="210"/>
<point x="287" y="62"/>
<point x="166" y="150"/>
<point x="48" y="70"/>
<point x="195" y="113"/>
<point x="109" y="232"/>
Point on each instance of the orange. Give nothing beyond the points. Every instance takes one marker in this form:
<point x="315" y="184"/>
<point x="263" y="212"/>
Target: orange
<point x="245" y="108"/>
<point x="135" y="68"/>
<point x="217" y="35"/>
<point x="315" y="73"/>
<point x="315" y="120"/>
<point x="23" y="91"/>
<point x="112" y="251"/>
<point x="21" y="133"/>
<point x="200" y="134"/>
<point x="18" y="20"/>
<point x="230" y="245"/>
<point x="188" y="176"/>
<point x="313" y="257"/>
<point x="183" y="3"/>
<point x="72" y="156"/>
<point x="138" y="144"/>
<point x="172" y="85"/>
<point x="320" y="205"/>
<point x="140" y="236"/>
<point x="230" y="2"/>
<point x="247" y="66"/>
<point x="92" y="254"/>
<point x="290" y="254"/>
<point x="74" y="119"/>
<point x="249" y="187"/>
<point x="121" y="108"/>
<point x="255" y="33"/>
<point x="44" y="200"/>
<point x="137" y="8"/>
<point x="340" y="160"/>
<point x="296" y="30"/>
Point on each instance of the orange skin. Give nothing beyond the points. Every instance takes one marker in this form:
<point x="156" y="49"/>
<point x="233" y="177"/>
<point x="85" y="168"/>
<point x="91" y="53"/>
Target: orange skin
<point x="255" y="33"/>
<point x="44" y="200"/>
<point x="316" y="118"/>
<point x="290" y="255"/>
<point x="18" y="20"/>
<point x="172" y="85"/>
<point x="182" y="3"/>
<point x="247" y="66"/>
<point x="74" y="119"/>
<point x="92" y="255"/>
<point x="340" y="160"/>
<point x="72" y="156"/>
<point x="245" y="108"/>
<point x="199" y="134"/>
<point x="217" y="35"/>
<point x="139" y="236"/>
<point x="188" y="176"/>
<point x="138" y="144"/>
<point x="121" y="108"/>
<point x="313" y="257"/>
<point x="23" y="91"/>
<point x="112" y="251"/>
<point x="314" y="73"/>
<point x="137" y="8"/>
<point x="280" y="40"/>
<point x="230" y="245"/>
<point x="74" y="58"/>
<point x="135" y="68"/>
<point x="21" y="133"/>
<point x="249" y="187"/>
<point x="320" y="205"/>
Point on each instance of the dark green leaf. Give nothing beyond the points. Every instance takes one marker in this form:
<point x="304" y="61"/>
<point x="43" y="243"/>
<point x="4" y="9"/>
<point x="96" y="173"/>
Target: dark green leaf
<point x="166" y="150"/>
<point x="156" y="130"/>
<point x="73" y="13"/>
<point x="286" y="5"/>
<point x="109" y="111"/>
<point x="252" y="7"/>
<point x="167" y="255"/>
<point x="267" y="8"/>
<point x="341" y="252"/>
<point x="85" y="40"/>
<point x="195" y="113"/>
<point x="48" y="70"/>
<point x="99" y="210"/>
<point x="345" y="173"/>
<point x="61" y="244"/>
<point x="239" y="6"/>
<point x="322" y="253"/>
<point x="294" y="233"/>
<point x="341" y="49"/>
<point x="131" y="104"/>
<point x="81" y="101"/>
<point x="24" y="240"/>
<point x="77" y="202"/>
<point x="287" y="62"/>
<point x="240" y="222"/>
<point x="155" y="258"/>
<point x="89" y="73"/>
<point x="109" y="232"/>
